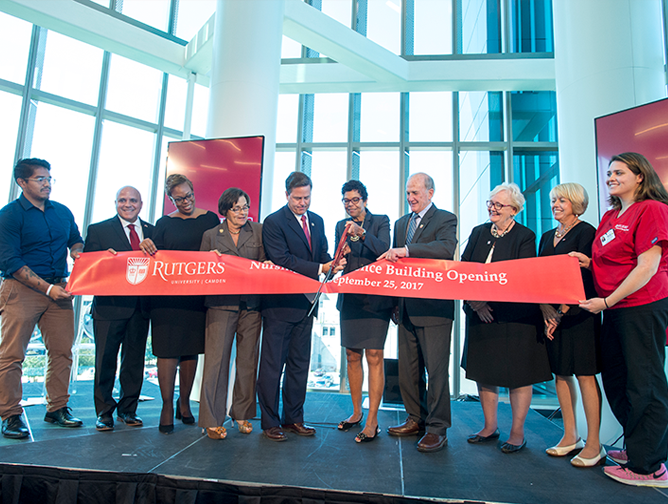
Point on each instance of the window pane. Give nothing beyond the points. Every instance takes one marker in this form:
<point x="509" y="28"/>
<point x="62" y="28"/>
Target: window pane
<point x="438" y="165"/>
<point x="126" y="158"/>
<point x="9" y="127"/>
<point x="154" y="13"/>
<point x="284" y="165"/>
<point x="384" y="24"/>
<point x="480" y="117"/>
<point x="534" y="116"/>
<point x="134" y="89"/>
<point x="14" y="33"/>
<point x="200" y="111"/>
<point x="175" y="109"/>
<point x="63" y="72"/>
<point x="159" y="184"/>
<point x="481" y="26"/>
<point x="330" y="118"/>
<point x="341" y="10"/>
<point x="286" y="127"/>
<point x="65" y="139"/>
<point x="531" y="26"/>
<point x="328" y="172"/>
<point x="479" y="173"/>
<point x="430" y="117"/>
<point x="380" y="117"/>
<point x="192" y="15"/>
<point x="536" y="173"/>
<point x="379" y="172"/>
<point x="432" y="33"/>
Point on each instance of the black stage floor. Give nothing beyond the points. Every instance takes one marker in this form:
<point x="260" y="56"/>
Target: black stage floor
<point x="331" y="460"/>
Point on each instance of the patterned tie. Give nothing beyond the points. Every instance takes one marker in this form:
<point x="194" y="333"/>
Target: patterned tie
<point x="412" y="225"/>
<point x="134" y="237"/>
<point x="306" y="231"/>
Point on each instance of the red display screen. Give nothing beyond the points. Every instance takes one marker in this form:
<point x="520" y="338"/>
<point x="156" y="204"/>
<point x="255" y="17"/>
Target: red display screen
<point x="218" y="164"/>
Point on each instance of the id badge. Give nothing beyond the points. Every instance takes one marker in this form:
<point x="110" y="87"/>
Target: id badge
<point x="608" y="237"/>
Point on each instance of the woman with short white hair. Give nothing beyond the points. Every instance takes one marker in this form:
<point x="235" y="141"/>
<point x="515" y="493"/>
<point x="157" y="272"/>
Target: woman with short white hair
<point x="503" y="345"/>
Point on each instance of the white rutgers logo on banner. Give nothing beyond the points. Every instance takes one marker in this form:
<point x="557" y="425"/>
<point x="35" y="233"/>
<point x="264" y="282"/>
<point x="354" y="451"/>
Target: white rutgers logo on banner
<point x="137" y="270"/>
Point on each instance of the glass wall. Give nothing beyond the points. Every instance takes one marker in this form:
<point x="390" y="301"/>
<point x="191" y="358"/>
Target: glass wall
<point x="107" y="123"/>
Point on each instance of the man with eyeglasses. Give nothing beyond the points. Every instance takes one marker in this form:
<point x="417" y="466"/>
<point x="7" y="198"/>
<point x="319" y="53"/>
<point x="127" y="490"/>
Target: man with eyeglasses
<point x="120" y="322"/>
<point x="425" y="325"/>
<point x="36" y="234"/>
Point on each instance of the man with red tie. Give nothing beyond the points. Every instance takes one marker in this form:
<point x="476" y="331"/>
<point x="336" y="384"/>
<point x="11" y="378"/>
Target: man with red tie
<point x="293" y="238"/>
<point x="120" y="321"/>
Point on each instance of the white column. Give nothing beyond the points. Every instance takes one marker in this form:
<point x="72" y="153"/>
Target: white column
<point x="243" y="98"/>
<point x="608" y="57"/>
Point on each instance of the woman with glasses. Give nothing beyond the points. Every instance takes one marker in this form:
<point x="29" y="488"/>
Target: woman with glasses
<point x="573" y="334"/>
<point x="177" y="322"/>
<point x="503" y="346"/>
<point x="230" y="315"/>
<point x="364" y="318"/>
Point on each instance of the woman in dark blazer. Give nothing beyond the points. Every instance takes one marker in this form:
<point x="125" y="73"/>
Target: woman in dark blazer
<point x="228" y="316"/>
<point x="364" y="318"/>
<point x="504" y="345"/>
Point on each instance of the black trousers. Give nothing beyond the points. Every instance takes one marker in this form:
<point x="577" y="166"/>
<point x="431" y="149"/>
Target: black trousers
<point x="130" y="336"/>
<point x="285" y="345"/>
<point x="633" y="357"/>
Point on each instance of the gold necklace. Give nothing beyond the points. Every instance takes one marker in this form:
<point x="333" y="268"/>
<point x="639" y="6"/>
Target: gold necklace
<point x="565" y="230"/>
<point x="495" y="230"/>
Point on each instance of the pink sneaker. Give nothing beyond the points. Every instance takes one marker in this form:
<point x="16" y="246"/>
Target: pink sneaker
<point x="657" y="479"/>
<point x="618" y="456"/>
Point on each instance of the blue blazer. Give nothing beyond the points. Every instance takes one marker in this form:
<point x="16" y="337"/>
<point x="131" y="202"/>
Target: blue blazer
<point x="286" y="245"/>
<point x="102" y="236"/>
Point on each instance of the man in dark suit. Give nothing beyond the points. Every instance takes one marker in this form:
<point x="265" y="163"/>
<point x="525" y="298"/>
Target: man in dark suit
<point x="120" y="321"/>
<point x="295" y="239"/>
<point x="425" y="325"/>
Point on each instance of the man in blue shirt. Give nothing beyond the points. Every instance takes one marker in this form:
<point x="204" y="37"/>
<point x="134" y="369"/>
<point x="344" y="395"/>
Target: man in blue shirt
<point x="36" y="234"/>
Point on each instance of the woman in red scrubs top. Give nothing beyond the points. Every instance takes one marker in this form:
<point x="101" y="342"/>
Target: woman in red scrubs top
<point x="630" y="266"/>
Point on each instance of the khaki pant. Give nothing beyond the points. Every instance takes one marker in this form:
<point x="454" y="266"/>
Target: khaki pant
<point x="21" y="308"/>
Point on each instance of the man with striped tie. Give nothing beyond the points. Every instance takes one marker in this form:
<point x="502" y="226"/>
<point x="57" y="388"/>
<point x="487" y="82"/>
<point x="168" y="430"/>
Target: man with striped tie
<point x="120" y="321"/>
<point x="425" y="325"/>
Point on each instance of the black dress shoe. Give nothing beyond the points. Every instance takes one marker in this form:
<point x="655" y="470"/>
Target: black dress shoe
<point x="62" y="417"/>
<point x="13" y="427"/>
<point x="344" y="425"/>
<point x="511" y="448"/>
<point x="104" y="423"/>
<point x="130" y="419"/>
<point x="477" y="438"/>
<point x="299" y="428"/>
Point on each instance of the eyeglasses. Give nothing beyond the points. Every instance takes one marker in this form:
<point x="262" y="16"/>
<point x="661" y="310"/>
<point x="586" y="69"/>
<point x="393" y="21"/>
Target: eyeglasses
<point x="497" y="206"/>
<point x="41" y="180"/>
<point x="347" y="201"/>
<point x="238" y="209"/>
<point x="190" y="196"/>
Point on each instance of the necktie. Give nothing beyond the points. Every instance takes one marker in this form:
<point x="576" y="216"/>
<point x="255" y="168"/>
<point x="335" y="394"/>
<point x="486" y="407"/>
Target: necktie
<point x="134" y="237"/>
<point x="412" y="225"/>
<point x="306" y="231"/>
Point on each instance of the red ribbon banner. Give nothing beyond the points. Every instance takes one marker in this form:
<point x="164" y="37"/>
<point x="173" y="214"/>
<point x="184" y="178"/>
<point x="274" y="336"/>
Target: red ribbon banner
<point x="553" y="279"/>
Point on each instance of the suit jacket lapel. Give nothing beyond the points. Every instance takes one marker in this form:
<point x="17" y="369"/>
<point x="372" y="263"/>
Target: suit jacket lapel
<point x="225" y="240"/>
<point x="121" y="237"/>
<point x="423" y="223"/>
<point x="295" y="226"/>
<point x="245" y="235"/>
<point x="401" y="230"/>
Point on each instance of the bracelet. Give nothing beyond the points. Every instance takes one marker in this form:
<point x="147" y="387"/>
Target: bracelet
<point x="49" y="289"/>
<point x="605" y="302"/>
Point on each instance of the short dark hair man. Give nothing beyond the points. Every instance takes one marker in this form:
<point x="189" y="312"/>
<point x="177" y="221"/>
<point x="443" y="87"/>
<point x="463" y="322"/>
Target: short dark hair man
<point x="295" y="239"/>
<point x="36" y="234"/>
<point x="120" y="321"/>
<point x="425" y="325"/>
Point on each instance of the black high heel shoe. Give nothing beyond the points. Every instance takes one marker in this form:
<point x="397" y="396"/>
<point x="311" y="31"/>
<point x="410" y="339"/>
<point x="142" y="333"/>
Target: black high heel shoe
<point x="363" y="438"/>
<point x="344" y="425"/>
<point x="166" y="429"/>
<point x="189" y="420"/>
